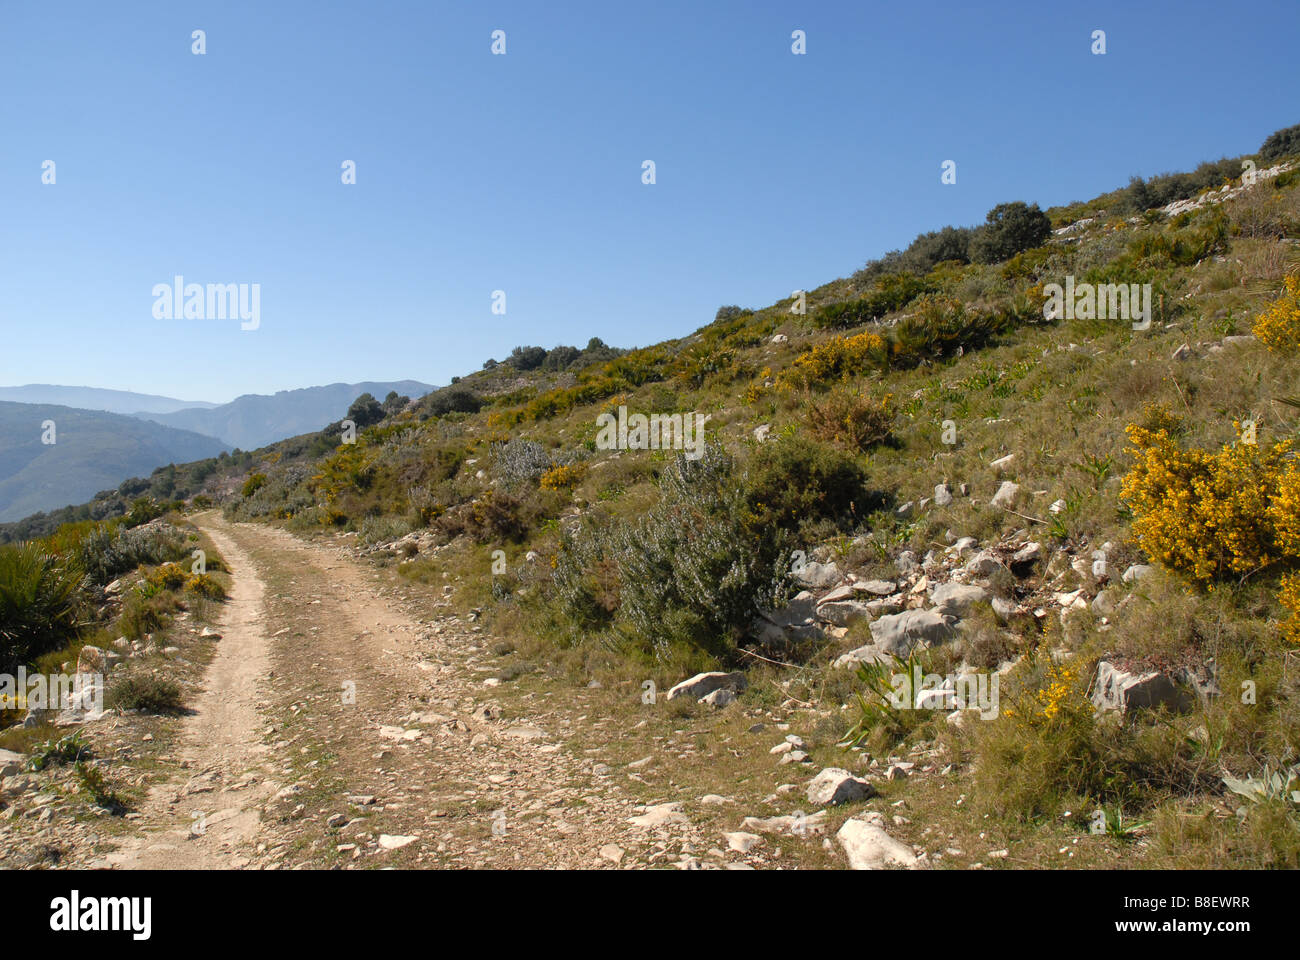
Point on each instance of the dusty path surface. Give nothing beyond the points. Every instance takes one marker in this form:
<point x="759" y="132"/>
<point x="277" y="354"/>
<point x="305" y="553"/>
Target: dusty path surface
<point x="341" y="726"/>
<point x="211" y="819"/>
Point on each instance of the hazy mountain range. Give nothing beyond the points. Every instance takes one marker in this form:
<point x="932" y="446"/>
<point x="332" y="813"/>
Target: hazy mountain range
<point x="95" y="398"/>
<point x="92" y="451"/>
<point x="103" y="437"/>
<point x="254" y="420"/>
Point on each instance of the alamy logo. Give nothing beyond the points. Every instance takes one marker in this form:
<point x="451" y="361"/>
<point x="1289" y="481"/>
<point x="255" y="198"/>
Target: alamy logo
<point x="933" y="691"/>
<point x="1102" y="301"/>
<point x="215" y="301"/>
<point x="658" y="431"/>
<point x="82" y="691"/>
<point x="75" y="913"/>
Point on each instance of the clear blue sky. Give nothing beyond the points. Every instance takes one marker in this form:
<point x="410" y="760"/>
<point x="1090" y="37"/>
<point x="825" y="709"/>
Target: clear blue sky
<point x="523" y="172"/>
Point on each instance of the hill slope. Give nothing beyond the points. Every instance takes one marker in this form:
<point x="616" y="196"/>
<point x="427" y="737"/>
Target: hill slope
<point x="93" y="451"/>
<point x="255" y="420"/>
<point x="1085" y="522"/>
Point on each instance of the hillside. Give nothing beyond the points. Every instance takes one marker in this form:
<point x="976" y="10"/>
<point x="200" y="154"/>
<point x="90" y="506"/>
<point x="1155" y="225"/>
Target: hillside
<point x="255" y="420"/>
<point x="985" y="557"/>
<point x="92" y="451"/>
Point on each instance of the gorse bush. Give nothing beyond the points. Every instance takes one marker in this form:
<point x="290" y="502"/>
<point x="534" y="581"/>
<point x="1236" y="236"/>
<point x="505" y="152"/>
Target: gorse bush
<point x="492" y="518"/>
<point x="1210" y="514"/>
<point x="40" y="595"/>
<point x="852" y="420"/>
<point x="799" y="481"/>
<point x="167" y="577"/>
<point x="203" y="585"/>
<point x="563" y="476"/>
<point x="1278" y="324"/>
<point x="836" y="359"/>
<point x="1050" y="748"/>
<point x="1213" y="514"/>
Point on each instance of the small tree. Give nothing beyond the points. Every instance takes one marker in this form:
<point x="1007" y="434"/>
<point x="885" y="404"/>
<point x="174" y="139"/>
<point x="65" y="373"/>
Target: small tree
<point x="527" y="358"/>
<point x="365" y="411"/>
<point x="1010" y="228"/>
<point x="394" y="403"/>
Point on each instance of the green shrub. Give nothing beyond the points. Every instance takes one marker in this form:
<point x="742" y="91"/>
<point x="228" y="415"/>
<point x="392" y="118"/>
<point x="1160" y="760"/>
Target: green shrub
<point x="798" y="480"/>
<point x="65" y="750"/>
<point x="939" y="327"/>
<point x="144" y="691"/>
<point x="142" y="614"/>
<point x="455" y="399"/>
<point x="107" y="551"/>
<point x="690" y="573"/>
<point x="892" y="292"/>
<point x="1281" y="143"/>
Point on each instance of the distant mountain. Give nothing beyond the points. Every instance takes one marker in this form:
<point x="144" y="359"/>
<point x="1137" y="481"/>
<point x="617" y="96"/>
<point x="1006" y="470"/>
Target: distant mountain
<point x="94" y="398"/>
<point x="92" y="451"/>
<point x="254" y="420"/>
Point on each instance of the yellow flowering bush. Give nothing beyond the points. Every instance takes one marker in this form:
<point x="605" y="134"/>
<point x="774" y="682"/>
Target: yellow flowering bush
<point x="1044" y="704"/>
<point x="835" y="359"/>
<point x="203" y="585"/>
<point x="166" y="577"/>
<point x="1289" y="596"/>
<point x="1278" y="325"/>
<point x="1210" y="514"/>
<point x="563" y="477"/>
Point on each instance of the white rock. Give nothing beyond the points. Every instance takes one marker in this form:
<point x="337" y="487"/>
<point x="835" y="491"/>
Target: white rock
<point x="835" y="786"/>
<point x="1006" y="495"/>
<point x="957" y="599"/>
<point x="659" y="815"/>
<point x="719" y="698"/>
<point x="742" y="842"/>
<point x="1136" y="573"/>
<point x="868" y="847"/>
<point x="703" y="684"/>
